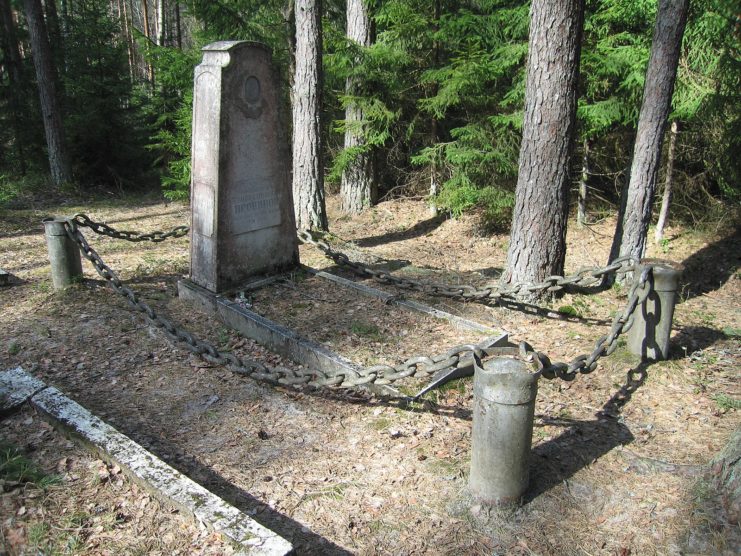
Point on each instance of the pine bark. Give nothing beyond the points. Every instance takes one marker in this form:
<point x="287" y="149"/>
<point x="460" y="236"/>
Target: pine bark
<point x="538" y="240"/>
<point x="668" y="183"/>
<point x="434" y="165"/>
<point x="148" y="35"/>
<point x="358" y="189"/>
<point x="14" y="68"/>
<point x="161" y="22"/>
<point x="178" y="31"/>
<point x="50" y="104"/>
<point x="632" y="230"/>
<point x="581" y="213"/>
<point x="308" y="177"/>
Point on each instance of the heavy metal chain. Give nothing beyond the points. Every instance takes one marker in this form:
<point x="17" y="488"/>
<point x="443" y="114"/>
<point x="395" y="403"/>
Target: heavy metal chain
<point x="414" y="367"/>
<point x="584" y="278"/>
<point x="606" y="344"/>
<point x="84" y="221"/>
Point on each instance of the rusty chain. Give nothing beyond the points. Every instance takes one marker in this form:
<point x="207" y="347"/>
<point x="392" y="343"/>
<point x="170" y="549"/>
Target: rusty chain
<point x="606" y="344"/>
<point x="414" y="367"/>
<point x="584" y="278"/>
<point x="84" y="221"/>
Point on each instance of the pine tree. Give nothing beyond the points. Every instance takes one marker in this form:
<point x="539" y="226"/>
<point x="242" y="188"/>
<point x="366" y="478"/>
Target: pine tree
<point x="538" y="239"/>
<point x="51" y="107"/>
<point x="632" y="230"/>
<point x="308" y="172"/>
<point x="358" y="189"/>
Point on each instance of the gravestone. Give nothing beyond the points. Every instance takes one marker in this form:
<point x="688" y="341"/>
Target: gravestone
<point x="242" y="208"/>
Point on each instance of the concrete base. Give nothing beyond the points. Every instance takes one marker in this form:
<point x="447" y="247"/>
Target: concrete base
<point x="458" y="322"/>
<point x="145" y="468"/>
<point x="272" y="335"/>
<point x="286" y="342"/>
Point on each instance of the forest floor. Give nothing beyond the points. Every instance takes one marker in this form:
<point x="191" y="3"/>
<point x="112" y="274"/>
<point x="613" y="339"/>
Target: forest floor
<point x="618" y="463"/>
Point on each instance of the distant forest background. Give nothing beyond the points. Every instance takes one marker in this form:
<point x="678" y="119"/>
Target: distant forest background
<point x="441" y="88"/>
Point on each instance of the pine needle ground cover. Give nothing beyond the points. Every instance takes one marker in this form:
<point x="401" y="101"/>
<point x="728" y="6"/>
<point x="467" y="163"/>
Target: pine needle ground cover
<point x="617" y="466"/>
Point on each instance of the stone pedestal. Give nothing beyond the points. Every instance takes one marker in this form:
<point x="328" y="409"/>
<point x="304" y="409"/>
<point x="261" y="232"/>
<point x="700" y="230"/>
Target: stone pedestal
<point x="242" y="209"/>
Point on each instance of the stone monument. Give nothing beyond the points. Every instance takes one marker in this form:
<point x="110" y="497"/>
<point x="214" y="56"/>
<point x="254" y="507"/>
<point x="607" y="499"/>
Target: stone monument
<point x="242" y="209"/>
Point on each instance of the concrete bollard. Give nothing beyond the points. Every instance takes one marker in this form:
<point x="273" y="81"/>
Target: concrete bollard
<point x="64" y="256"/>
<point x="504" y="393"/>
<point x="652" y="325"/>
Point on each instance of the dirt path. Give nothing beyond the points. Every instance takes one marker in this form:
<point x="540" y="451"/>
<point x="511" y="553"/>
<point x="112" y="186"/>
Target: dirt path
<point x="615" y="463"/>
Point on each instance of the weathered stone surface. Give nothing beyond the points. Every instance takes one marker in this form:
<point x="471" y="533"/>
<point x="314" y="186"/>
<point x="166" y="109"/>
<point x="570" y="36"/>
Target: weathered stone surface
<point x="160" y="478"/>
<point x="16" y="387"/>
<point x="242" y="209"/>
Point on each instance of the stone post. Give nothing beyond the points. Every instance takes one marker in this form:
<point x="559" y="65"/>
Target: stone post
<point x="504" y="391"/>
<point x="64" y="255"/>
<point x="652" y="324"/>
<point x="241" y="200"/>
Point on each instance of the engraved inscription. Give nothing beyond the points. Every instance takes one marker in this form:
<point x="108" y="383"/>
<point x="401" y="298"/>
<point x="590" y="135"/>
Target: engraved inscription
<point x="255" y="210"/>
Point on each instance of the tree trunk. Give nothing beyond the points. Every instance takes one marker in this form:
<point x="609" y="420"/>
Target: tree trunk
<point x="538" y="240"/>
<point x="14" y="67"/>
<point x="632" y="230"/>
<point x="358" y="187"/>
<point x="289" y="20"/>
<point x="126" y="30"/>
<point x="50" y="105"/>
<point x="308" y="177"/>
<point x="148" y="35"/>
<point x="64" y="18"/>
<point x="178" y="30"/>
<point x="581" y="214"/>
<point x="434" y="166"/>
<point x="725" y="474"/>
<point x="52" y="26"/>
<point x="668" y="183"/>
<point x="161" y="22"/>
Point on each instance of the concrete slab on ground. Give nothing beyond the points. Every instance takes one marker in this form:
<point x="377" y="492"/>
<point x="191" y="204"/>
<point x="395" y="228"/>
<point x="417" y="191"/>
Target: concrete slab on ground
<point x="18" y="387"/>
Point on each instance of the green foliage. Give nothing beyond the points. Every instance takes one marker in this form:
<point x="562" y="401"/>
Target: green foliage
<point x="726" y="402"/>
<point x="106" y="130"/>
<point x="17" y="468"/>
<point x="441" y="91"/>
<point x="171" y="108"/>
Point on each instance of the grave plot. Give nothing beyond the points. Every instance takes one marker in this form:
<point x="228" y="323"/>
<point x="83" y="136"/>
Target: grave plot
<point x="365" y="329"/>
<point x="335" y="472"/>
<point x="359" y="475"/>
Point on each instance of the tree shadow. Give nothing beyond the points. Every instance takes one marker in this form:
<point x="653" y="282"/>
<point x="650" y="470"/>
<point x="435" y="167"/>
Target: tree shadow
<point x="582" y="442"/>
<point x="709" y="268"/>
<point x="507" y="303"/>
<point x="304" y="540"/>
<point x="419" y="229"/>
<point x="693" y="338"/>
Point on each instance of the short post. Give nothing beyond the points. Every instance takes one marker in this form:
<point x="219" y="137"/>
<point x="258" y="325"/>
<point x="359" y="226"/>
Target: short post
<point x="652" y="324"/>
<point x="504" y="391"/>
<point x="64" y="256"/>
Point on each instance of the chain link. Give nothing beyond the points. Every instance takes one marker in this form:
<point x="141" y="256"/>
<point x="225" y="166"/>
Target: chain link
<point x="84" y="221"/>
<point x="584" y="278"/>
<point x="414" y="367"/>
<point x="605" y="345"/>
